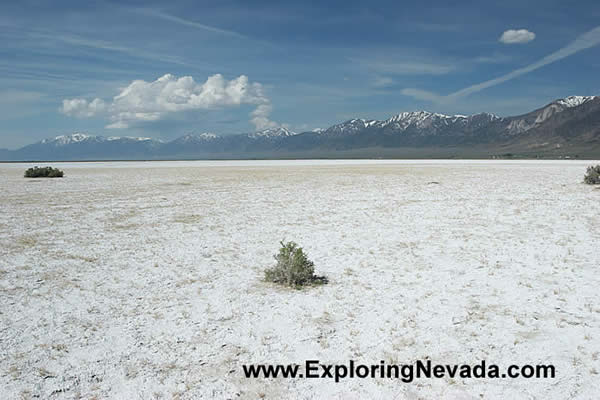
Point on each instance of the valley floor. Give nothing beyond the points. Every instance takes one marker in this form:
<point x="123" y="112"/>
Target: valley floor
<point x="144" y="279"/>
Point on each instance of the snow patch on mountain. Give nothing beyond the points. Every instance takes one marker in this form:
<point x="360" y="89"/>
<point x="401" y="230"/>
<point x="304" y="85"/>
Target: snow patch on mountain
<point x="64" y="140"/>
<point x="130" y="138"/>
<point x="523" y="124"/>
<point x="197" y="137"/>
<point x="272" y="133"/>
<point x="425" y="119"/>
<point x="349" y="127"/>
<point x="574" y="101"/>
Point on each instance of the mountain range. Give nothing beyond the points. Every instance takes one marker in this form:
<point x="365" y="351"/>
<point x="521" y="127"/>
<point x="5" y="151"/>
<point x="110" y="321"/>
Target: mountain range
<point x="568" y="127"/>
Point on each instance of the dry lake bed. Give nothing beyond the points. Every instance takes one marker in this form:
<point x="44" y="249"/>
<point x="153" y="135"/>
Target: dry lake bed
<point x="145" y="279"/>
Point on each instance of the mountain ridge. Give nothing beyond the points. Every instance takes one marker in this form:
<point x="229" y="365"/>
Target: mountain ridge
<point x="569" y="125"/>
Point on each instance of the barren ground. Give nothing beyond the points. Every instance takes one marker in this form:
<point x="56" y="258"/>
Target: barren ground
<point x="144" y="280"/>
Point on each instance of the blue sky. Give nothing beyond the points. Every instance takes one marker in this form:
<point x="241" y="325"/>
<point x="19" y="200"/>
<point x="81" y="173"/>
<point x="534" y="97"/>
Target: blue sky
<point x="96" y="67"/>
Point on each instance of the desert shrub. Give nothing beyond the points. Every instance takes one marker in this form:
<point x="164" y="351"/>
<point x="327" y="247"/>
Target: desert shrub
<point x="293" y="268"/>
<point x="44" y="172"/>
<point x="592" y="175"/>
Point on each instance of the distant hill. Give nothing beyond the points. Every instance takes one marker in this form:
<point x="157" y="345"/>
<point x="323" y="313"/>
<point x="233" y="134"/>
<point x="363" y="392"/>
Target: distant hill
<point x="568" y="127"/>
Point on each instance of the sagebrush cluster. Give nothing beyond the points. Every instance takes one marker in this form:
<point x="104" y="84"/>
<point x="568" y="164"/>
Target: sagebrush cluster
<point x="592" y="175"/>
<point x="293" y="268"/>
<point x="44" y="172"/>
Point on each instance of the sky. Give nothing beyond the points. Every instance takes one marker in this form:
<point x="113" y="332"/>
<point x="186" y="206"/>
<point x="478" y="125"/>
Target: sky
<point x="165" y="69"/>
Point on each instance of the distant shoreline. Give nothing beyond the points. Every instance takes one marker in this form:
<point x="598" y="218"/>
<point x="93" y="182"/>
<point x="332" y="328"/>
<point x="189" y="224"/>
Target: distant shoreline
<point x="332" y="160"/>
<point x="491" y="158"/>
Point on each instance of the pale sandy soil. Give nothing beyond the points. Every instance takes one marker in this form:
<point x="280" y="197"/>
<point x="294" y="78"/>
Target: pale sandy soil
<point x="123" y="282"/>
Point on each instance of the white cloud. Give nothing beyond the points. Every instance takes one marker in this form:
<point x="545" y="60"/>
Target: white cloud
<point x="143" y="101"/>
<point x="585" y="41"/>
<point x="104" y="45"/>
<point x="81" y="108"/>
<point x="390" y="63"/>
<point x="260" y="117"/>
<point x="517" y="36"/>
<point x="423" y="95"/>
<point x="192" y="24"/>
<point x="493" y="59"/>
<point x="408" y="67"/>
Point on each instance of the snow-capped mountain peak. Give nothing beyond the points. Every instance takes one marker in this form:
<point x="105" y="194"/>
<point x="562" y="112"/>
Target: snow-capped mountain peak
<point x="426" y="119"/>
<point x="411" y="117"/>
<point x="272" y="132"/>
<point x="421" y="120"/>
<point x="74" y="138"/>
<point x="349" y="127"/>
<point x="130" y="138"/>
<point x="64" y="140"/>
<point x="197" y="137"/>
<point x="525" y="123"/>
<point x="416" y="117"/>
<point x="574" y="101"/>
<point x="490" y="116"/>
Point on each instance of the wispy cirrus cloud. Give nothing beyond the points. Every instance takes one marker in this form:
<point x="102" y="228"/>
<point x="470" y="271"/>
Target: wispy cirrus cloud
<point x="143" y="101"/>
<point x="438" y="27"/>
<point x="495" y="58"/>
<point x="583" y="42"/>
<point x="76" y="40"/>
<point x="410" y="67"/>
<point x="404" y="66"/>
<point x="182" y="21"/>
<point x="420" y="94"/>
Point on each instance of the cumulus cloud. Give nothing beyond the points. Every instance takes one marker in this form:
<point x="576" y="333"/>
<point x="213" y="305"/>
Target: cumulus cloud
<point x="260" y="117"/>
<point x="143" y="101"/>
<point x="81" y="108"/>
<point x="517" y="36"/>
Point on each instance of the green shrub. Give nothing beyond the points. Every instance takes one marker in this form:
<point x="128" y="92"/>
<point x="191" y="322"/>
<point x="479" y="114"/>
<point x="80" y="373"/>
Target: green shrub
<point x="44" y="172"/>
<point x="293" y="268"/>
<point x="592" y="175"/>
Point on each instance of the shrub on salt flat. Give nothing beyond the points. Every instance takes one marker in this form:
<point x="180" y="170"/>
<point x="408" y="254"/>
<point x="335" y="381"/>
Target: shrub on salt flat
<point x="592" y="175"/>
<point x="44" y="172"/>
<point x="293" y="268"/>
